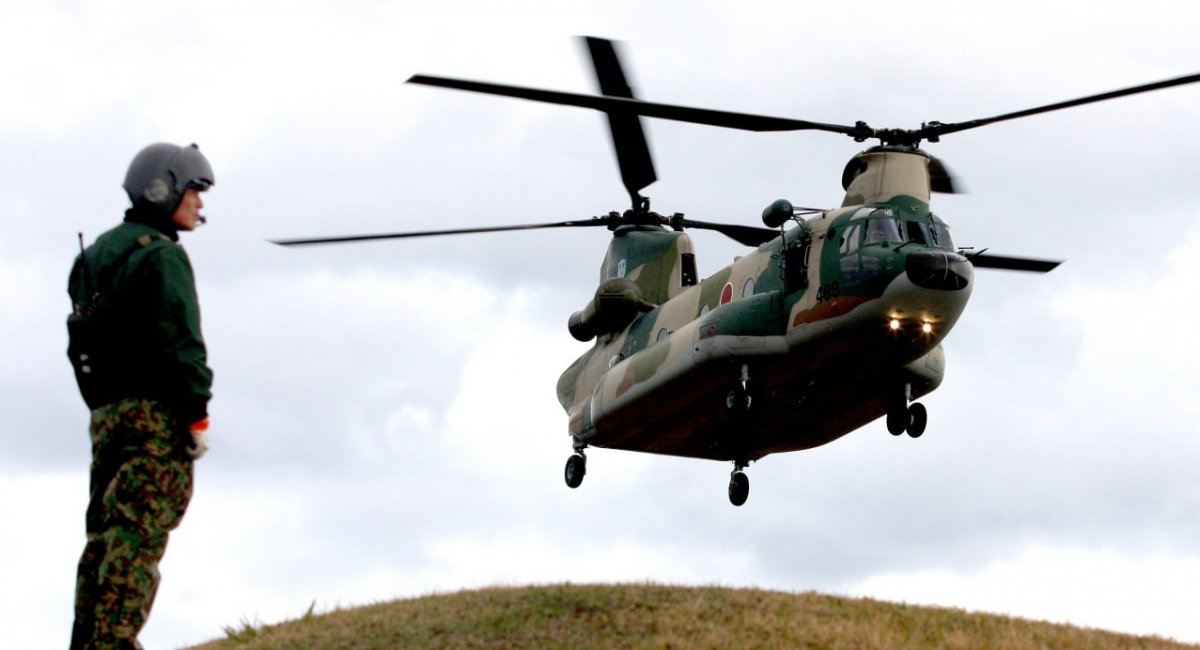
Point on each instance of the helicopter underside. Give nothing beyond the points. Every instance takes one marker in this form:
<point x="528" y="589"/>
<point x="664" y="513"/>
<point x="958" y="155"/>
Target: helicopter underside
<point x="791" y="406"/>
<point x="739" y="398"/>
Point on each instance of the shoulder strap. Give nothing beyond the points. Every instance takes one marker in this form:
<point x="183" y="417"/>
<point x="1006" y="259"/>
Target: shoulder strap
<point x="106" y="274"/>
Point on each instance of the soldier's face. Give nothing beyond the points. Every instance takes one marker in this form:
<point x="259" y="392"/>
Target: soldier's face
<point x="188" y="212"/>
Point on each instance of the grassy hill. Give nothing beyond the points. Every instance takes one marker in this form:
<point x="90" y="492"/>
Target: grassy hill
<point x="654" y="616"/>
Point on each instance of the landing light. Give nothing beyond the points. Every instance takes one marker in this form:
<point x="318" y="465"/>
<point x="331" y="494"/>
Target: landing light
<point x="927" y="328"/>
<point x="895" y="324"/>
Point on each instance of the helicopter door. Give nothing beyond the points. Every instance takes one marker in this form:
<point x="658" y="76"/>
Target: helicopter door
<point x="795" y="265"/>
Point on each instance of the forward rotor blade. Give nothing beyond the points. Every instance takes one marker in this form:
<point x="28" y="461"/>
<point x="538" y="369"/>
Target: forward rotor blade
<point x="595" y="221"/>
<point x="980" y="260"/>
<point x="937" y="129"/>
<point x="747" y="235"/>
<point x="941" y="179"/>
<point x="726" y="119"/>
<point x="628" y="138"/>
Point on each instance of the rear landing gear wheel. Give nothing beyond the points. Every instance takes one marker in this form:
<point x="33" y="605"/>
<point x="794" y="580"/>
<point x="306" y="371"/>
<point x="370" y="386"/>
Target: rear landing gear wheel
<point x="918" y="417"/>
<point x="576" y="468"/>
<point x="738" y="399"/>
<point x="739" y="487"/>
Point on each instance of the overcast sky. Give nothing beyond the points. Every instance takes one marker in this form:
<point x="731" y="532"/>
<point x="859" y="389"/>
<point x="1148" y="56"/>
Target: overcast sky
<point x="385" y="422"/>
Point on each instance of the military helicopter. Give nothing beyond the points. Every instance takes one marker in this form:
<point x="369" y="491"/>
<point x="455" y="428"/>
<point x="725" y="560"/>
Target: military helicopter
<point x="834" y="320"/>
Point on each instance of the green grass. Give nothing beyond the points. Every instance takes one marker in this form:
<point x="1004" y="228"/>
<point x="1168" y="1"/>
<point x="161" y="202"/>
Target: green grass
<point x="655" y="616"/>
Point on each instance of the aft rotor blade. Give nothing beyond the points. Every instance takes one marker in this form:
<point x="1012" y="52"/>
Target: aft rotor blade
<point x="595" y="221"/>
<point x="727" y="119"/>
<point x="936" y="129"/>
<point x="628" y="137"/>
<point x="983" y="261"/>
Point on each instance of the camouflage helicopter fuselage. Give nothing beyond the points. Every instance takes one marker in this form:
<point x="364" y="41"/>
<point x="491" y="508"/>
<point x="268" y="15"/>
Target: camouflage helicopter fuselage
<point x="814" y="334"/>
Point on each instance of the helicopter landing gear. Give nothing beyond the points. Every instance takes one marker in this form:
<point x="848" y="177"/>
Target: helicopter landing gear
<point x="897" y="419"/>
<point x="918" y="417"/>
<point x="575" y="469"/>
<point x="902" y="417"/>
<point x="738" y="398"/>
<point x="739" y="484"/>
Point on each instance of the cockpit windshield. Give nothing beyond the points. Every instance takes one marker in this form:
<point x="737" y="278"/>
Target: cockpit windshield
<point x="881" y="225"/>
<point x="885" y="229"/>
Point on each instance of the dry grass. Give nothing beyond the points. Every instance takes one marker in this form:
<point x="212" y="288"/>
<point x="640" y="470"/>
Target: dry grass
<point x="653" y="616"/>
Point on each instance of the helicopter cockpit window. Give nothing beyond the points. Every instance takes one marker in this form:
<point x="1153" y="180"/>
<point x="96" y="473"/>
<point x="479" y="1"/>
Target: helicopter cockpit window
<point x="940" y="233"/>
<point x="883" y="230"/>
<point x="849" y="243"/>
<point x="913" y="232"/>
<point x="871" y="212"/>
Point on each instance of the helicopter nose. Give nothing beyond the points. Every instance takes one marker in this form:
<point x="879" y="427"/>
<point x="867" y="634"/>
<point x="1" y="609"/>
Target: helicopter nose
<point x="938" y="270"/>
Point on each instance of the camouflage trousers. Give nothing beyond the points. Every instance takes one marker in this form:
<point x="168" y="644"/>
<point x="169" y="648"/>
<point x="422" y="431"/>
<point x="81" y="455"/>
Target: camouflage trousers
<point x="141" y="483"/>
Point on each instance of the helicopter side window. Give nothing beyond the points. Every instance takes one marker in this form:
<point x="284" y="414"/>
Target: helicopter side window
<point x="915" y="233"/>
<point x="940" y="233"/>
<point x="849" y="243"/>
<point x="883" y="230"/>
<point x="688" y="275"/>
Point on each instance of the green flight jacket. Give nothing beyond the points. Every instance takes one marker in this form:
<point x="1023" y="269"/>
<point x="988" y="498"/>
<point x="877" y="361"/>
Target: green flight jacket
<point x="139" y="285"/>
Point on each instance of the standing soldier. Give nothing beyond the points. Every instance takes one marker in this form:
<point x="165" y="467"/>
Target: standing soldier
<point x="141" y="366"/>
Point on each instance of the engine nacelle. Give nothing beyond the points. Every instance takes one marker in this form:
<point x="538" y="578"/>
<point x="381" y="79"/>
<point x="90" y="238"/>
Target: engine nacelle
<point x="617" y="302"/>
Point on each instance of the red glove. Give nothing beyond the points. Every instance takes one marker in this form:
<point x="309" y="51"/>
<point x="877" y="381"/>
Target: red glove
<point x="199" y="431"/>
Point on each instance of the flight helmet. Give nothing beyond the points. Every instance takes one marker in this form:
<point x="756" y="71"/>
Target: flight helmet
<point x="161" y="173"/>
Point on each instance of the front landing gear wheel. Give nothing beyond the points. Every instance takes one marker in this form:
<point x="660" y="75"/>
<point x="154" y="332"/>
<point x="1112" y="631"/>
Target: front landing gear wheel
<point x="576" y="468"/>
<point x="898" y="418"/>
<point x="918" y="417"/>
<point x="739" y="487"/>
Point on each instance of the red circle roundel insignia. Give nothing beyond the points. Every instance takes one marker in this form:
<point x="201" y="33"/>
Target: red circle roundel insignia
<point x="727" y="293"/>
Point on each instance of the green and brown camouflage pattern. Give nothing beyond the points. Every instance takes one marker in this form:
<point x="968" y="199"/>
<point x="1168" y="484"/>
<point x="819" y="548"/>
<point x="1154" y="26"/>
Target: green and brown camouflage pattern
<point x="806" y="314"/>
<point x="141" y="483"/>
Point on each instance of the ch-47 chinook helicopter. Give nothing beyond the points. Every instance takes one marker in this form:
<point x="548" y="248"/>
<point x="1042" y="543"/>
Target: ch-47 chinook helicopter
<point x="827" y="325"/>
